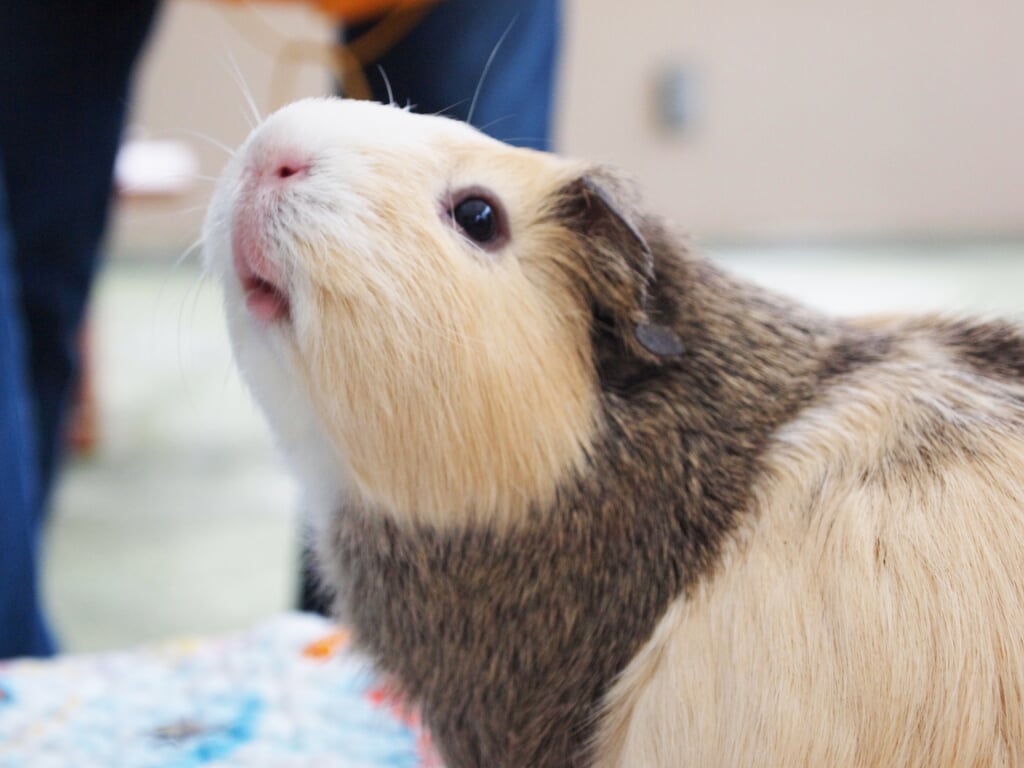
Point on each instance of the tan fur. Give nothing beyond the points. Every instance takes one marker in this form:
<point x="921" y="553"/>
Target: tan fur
<point x="488" y="403"/>
<point x="446" y="378"/>
<point x="865" y="618"/>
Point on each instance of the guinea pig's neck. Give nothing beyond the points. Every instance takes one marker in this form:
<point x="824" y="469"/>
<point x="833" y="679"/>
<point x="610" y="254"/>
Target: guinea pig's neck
<point x="510" y="639"/>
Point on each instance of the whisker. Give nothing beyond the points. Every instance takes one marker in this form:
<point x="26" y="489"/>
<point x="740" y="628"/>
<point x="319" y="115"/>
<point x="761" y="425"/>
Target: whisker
<point x="494" y="122"/>
<point x="229" y="151"/>
<point x="145" y="189"/>
<point x="190" y="291"/>
<point x="227" y="374"/>
<point x="196" y="245"/>
<point x="177" y="212"/>
<point x="517" y="140"/>
<point x="487" y="67"/>
<point x="458" y="103"/>
<point x="245" y="89"/>
<point x="387" y="84"/>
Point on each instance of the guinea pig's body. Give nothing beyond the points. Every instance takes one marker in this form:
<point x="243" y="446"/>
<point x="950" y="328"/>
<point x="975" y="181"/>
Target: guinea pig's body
<point x="591" y="502"/>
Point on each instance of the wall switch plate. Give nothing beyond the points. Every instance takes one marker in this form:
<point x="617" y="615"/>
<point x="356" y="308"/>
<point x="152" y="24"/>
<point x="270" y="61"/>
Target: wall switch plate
<point x="676" y="97"/>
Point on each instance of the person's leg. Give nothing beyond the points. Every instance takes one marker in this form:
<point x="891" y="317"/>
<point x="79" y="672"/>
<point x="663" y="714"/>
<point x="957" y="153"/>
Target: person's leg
<point x="22" y="630"/>
<point x="439" y="65"/>
<point x="65" y="69"/>
<point x="64" y="73"/>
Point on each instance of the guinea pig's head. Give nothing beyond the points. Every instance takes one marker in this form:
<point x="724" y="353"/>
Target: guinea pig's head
<point x="415" y="305"/>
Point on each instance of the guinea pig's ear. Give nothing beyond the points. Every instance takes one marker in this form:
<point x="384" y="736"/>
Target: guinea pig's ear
<point x="617" y="268"/>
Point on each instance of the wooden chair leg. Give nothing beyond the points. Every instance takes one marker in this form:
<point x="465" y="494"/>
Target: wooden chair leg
<point x="83" y="419"/>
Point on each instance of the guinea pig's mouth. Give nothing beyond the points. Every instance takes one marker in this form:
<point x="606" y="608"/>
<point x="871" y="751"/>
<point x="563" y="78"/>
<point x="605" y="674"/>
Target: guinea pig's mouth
<point x="264" y="298"/>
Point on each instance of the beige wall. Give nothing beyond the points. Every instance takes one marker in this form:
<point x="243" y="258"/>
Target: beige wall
<point x="819" y="117"/>
<point x="815" y="118"/>
<point x="203" y="62"/>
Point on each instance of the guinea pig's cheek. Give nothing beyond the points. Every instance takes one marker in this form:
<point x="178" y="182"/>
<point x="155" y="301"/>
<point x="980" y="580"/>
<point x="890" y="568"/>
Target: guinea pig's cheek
<point x="308" y="316"/>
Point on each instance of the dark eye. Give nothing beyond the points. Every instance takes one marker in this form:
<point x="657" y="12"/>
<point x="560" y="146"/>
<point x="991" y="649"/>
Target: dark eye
<point x="477" y="218"/>
<point x="480" y="218"/>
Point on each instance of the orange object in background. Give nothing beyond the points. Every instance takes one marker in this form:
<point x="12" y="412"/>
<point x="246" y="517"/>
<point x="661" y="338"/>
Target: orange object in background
<point x="356" y="10"/>
<point x="394" y="19"/>
<point x="327" y="646"/>
<point x="83" y="430"/>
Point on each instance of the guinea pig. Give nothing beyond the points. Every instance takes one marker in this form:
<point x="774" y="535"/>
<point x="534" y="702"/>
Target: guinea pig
<point x="590" y="501"/>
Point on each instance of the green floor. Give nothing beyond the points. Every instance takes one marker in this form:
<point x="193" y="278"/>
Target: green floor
<point x="183" y="522"/>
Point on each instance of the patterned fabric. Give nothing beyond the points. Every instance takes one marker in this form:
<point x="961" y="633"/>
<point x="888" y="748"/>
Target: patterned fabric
<point x="287" y="693"/>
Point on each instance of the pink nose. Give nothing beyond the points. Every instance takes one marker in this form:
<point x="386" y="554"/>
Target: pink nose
<point x="279" y="165"/>
<point x="287" y="170"/>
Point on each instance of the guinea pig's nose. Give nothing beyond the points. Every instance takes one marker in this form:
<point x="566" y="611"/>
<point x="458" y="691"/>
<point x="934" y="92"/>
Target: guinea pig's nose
<point x="289" y="169"/>
<point x="279" y="165"/>
<point x="286" y="169"/>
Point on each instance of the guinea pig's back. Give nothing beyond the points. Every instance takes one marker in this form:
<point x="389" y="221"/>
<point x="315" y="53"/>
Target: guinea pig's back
<point x="870" y="613"/>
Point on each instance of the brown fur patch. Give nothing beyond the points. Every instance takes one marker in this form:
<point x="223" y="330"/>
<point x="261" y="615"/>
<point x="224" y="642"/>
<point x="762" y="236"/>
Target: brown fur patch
<point x="510" y="639"/>
<point x="994" y="348"/>
<point x="868" y="613"/>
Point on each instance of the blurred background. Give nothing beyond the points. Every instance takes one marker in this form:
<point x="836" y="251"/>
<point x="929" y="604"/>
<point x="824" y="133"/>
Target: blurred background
<point x="860" y="156"/>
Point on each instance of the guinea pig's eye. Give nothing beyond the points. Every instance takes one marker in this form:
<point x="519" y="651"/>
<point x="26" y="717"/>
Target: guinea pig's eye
<point x="477" y="219"/>
<point x="480" y="218"/>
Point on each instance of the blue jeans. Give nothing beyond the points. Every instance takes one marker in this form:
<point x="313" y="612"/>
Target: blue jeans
<point x="439" y="65"/>
<point x="64" y="75"/>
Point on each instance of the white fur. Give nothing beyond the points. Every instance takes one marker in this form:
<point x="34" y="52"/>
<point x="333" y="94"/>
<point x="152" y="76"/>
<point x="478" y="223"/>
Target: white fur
<point x="265" y="359"/>
<point x="419" y="372"/>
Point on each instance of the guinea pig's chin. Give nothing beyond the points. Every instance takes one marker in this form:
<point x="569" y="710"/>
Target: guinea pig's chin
<point x="266" y="302"/>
